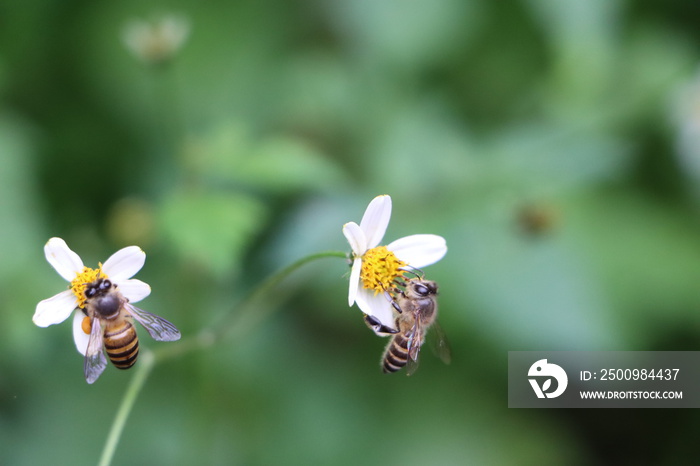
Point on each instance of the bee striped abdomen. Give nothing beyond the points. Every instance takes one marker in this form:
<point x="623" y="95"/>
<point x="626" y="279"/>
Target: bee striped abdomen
<point x="122" y="345"/>
<point x="396" y="354"/>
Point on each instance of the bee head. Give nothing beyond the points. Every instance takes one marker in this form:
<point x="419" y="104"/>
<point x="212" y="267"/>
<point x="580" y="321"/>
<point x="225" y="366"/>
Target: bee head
<point x="99" y="286"/>
<point x="423" y="288"/>
<point x="102" y="299"/>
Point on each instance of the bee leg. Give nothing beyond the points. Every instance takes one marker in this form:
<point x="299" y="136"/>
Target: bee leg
<point x="391" y="299"/>
<point x="378" y="327"/>
<point x="397" y="285"/>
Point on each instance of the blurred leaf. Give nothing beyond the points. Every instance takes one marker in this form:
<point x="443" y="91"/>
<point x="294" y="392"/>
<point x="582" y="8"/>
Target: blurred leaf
<point x="653" y="67"/>
<point x="574" y="21"/>
<point x="550" y="156"/>
<point x="424" y="150"/>
<point x="527" y="292"/>
<point x="582" y="37"/>
<point x="286" y="164"/>
<point x="131" y="221"/>
<point x="278" y="164"/>
<point x="645" y="254"/>
<point x="19" y="231"/>
<point x="212" y="229"/>
<point x="320" y="93"/>
<point x="412" y="33"/>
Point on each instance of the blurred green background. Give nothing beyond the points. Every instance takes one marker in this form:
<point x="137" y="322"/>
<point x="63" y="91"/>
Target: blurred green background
<point x="555" y="144"/>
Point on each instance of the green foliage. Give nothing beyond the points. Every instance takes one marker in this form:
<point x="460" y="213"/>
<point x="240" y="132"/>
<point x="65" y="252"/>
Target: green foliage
<point x="276" y="164"/>
<point x="228" y="221"/>
<point x="552" y="143"/>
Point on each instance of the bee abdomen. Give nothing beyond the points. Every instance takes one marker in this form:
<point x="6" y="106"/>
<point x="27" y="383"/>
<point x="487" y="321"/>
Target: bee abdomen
<point x="122" y="345"/>
<point x="396" y="354"/>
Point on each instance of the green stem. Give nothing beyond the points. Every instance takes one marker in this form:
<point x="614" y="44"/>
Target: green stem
<point x="261" y="301"/>
<point x="132" y="392"/>
<point x="250" y="313"/>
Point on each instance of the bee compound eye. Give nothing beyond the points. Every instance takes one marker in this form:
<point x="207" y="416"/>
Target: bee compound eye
<point x="90" y="292"/>
<point x="106" y="284"/>
<point x="422" y="290"/>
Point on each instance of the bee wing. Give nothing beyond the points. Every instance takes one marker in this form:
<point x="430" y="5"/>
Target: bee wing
<point x="159" y="328"/>
<point x="411" y="366"/>
<point x="415" y="341"/>
<point x="95" y="360"/>
<point x="439" y="343"/>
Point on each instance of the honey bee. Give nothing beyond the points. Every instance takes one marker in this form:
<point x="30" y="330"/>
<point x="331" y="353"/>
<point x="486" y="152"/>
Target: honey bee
<point x="417" y="312"/>
<point x="111" y="320"/>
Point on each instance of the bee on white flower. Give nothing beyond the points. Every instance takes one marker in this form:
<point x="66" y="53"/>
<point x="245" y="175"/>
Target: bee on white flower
<point x="377" y="269"/>
<point x="102" y="300"/>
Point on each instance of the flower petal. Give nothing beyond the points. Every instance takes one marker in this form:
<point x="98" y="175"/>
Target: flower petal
<point x="55" y="310"/>
<point x="356" y="237"/>
<point x="66" y="262"/>
<point x="79" y="336"/>
<point x="376" y="219"/>
<point x="124" y="263"/>
<point x="134" y="290"/>
<point x="377" y="305"/>
<point x="419" y="250"/>
<point x="354" y="280"/>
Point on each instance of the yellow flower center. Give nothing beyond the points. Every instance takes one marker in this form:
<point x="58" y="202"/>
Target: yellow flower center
<point x="82" y="280"/>
<point x="380" y="267"/>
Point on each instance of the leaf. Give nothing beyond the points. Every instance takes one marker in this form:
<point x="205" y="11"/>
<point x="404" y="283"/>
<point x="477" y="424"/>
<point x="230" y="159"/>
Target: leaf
<point x="546" y="385"/>
<point x="286" y="164"/>
<point x="278" y="164"/>
<point x="210" y="228"/>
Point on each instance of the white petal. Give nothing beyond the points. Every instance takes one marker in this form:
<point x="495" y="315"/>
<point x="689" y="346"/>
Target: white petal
<point x="134" y="290"/>
<point x="376" y="305"/>
<point x="419" y="250"/>
<point x="81" y="338"/>
<point x="376" y="219"/>
<point x="55" y="310"/>
<point x="354" y="280"/>
<point x="66" y="262"/>
<point x="124" y="263"/>
<point x="356" y="237"/>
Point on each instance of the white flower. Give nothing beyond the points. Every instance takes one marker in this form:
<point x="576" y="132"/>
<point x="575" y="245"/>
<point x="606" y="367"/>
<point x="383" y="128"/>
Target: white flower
<point x="374" y="267"/>
<point x="157" y="41"/>
<point x="119" y="268"/>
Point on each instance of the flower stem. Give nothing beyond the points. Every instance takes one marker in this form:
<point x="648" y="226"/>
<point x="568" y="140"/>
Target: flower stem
<point x="146" y="363"/>
<point x="260" y="302"/>
<point x="250" y="312"/>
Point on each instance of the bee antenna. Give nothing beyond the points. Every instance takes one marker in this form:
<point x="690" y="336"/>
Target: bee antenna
<point x="399" y="281"/>
<point x="418" y="273"/>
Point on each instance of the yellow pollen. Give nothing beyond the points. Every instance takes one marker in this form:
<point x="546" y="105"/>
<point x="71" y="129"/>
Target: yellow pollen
<point x="82" y="280"/>
<point x="380" y="267"/>
<point x="86" y="325"/>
